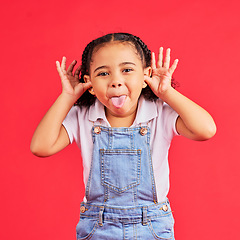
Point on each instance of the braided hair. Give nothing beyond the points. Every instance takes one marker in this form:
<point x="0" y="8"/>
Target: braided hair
<point x="87" y="99"/>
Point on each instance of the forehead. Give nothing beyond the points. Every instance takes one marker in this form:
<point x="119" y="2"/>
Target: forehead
<point x="115" y="51"/>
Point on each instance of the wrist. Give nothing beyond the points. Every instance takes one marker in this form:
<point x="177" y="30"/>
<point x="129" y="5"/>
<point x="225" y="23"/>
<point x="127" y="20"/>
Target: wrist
<point x="167" y="95"/>
<point x="67" y="98"/>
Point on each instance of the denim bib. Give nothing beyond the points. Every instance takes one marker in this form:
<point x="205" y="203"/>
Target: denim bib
<point x="121" y="194"/>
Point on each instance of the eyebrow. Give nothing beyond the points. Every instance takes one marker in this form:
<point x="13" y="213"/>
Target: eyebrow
<point x="121" y="64"/>
<point x="100" y="68"/>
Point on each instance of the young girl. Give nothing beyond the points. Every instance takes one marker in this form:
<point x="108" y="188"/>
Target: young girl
<point x="124" y="119"/>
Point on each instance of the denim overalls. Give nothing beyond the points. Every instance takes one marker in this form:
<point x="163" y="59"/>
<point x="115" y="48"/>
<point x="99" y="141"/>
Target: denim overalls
<point x="121" y="195"/>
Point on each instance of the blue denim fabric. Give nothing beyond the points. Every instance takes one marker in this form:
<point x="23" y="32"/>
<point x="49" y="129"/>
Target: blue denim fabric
<point x="121" y="194"/>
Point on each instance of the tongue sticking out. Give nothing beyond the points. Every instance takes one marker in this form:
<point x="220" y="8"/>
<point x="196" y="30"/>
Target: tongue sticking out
<point x="118" y="101"/>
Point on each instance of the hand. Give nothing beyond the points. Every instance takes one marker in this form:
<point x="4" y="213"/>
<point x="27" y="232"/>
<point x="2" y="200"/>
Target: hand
<point x="160" y="82"/>
<point x="70" y="81"/>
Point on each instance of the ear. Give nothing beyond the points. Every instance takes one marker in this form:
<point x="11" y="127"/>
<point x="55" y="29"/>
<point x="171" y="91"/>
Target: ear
<point x="147" y="72"/>
<point x="87" y="79"/>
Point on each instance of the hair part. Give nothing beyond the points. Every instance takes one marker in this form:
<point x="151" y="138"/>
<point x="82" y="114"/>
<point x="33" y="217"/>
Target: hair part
<point x="87" y="99"/>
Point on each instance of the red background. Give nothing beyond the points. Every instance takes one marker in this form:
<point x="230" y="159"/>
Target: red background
<point x="40" y="198"/>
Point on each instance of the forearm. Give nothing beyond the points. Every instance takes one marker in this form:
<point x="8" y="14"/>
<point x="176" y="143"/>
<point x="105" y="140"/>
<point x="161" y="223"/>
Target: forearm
<point x="47" y="132"/>
<point x="195" y="122"/>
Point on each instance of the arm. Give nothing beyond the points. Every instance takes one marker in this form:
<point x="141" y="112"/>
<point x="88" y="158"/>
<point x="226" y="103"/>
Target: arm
<point x="50" y="136"/>
<point x="193" y="122"/>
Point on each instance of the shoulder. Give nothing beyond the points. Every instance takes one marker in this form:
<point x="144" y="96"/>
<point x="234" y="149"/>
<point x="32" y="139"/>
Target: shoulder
<point x="87" y="114"/>
<point x="166" y="118"/>
<point x="163" y="108"/>
<point x="75" y="116"/>
<point x="149" y="110"/>
<point x="77" y="112"/>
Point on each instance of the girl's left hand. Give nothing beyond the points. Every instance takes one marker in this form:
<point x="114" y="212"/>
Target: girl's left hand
<point x="160" y="82"/>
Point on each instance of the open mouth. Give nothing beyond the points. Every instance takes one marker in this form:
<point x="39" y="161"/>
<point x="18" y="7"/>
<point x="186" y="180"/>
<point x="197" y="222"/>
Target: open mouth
<point x="119" y="101"/>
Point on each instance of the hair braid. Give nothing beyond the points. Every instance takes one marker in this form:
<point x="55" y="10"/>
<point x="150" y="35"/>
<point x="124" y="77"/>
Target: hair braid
<point x="146" y="51"/>
<point x="147" y="92"/>
<point x="86" y="99"/>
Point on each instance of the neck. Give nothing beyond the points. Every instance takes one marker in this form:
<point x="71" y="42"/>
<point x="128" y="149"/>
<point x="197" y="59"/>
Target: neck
<point x="125" y="121"/>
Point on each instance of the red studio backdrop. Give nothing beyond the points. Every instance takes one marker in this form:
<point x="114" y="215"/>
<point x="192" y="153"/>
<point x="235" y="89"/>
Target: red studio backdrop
<point x="40" y="197"/>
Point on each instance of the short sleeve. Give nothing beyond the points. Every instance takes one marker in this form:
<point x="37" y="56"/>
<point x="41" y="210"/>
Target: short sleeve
<point x="169" y="122"/>
<point x="71" y="124"/>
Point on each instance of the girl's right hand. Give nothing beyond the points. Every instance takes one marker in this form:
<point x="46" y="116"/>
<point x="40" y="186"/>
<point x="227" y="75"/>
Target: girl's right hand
<point x="70" y="81"/>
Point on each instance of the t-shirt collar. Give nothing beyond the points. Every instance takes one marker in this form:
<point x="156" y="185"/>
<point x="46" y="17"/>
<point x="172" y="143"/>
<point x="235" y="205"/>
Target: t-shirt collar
<point x="147" y="110"/>
<point x="96" y="111"/>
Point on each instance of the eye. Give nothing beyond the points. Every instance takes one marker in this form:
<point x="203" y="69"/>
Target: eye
<point x="102" y="74"/>
<point x="128" y="70"/>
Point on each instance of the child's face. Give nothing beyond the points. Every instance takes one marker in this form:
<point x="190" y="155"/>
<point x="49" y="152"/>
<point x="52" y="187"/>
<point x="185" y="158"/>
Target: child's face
<point x="117" y="77"/>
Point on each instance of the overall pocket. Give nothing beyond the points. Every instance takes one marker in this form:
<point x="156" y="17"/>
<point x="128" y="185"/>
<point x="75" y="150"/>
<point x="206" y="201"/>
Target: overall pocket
<point x="120" y="168"/>
<point x="162" y="227"/>
<point x="86" y="228"/>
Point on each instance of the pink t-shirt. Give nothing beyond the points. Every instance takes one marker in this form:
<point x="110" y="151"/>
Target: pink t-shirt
<point x="159" y="117"/>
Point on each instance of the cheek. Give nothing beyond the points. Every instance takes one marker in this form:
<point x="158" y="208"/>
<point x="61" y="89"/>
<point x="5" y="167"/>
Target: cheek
<point x="99" y="85"/>
<point x="99" y="88"/>
<point x="138" y="82"/>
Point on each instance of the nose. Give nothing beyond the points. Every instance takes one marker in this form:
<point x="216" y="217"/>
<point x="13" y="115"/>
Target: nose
<point x="116" y="82"/>
<point x="116" y="85"/>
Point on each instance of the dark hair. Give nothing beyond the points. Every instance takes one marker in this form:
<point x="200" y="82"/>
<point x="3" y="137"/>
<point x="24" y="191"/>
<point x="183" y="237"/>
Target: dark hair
<point x="87" y="99"/>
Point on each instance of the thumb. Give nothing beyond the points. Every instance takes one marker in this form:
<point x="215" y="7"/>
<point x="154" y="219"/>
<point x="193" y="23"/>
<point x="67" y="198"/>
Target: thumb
<point x="82" y="87"/>
<point x="149" y="81"/>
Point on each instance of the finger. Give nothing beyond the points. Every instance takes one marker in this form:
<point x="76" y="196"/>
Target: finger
<point x="173" y="67"/>
<point x="167" y="59"/>
<point x="147" y="79"/>
<point x="153" y="61"/>
<point x="58" y="66"/>
<point x="63" y="65"/>
<point x="87" y="85"/>
<point x="160" y="58"/>
<point x="71" y="66"/>
<point x="59" y="69"/>
<point x="152" y="84"/>
<point x="60" y="72"/>
<point x="77" y="72"/>
<point x="83" y="86"/>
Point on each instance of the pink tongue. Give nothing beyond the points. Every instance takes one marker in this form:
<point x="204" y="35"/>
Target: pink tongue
<point x="118" y="101"/>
